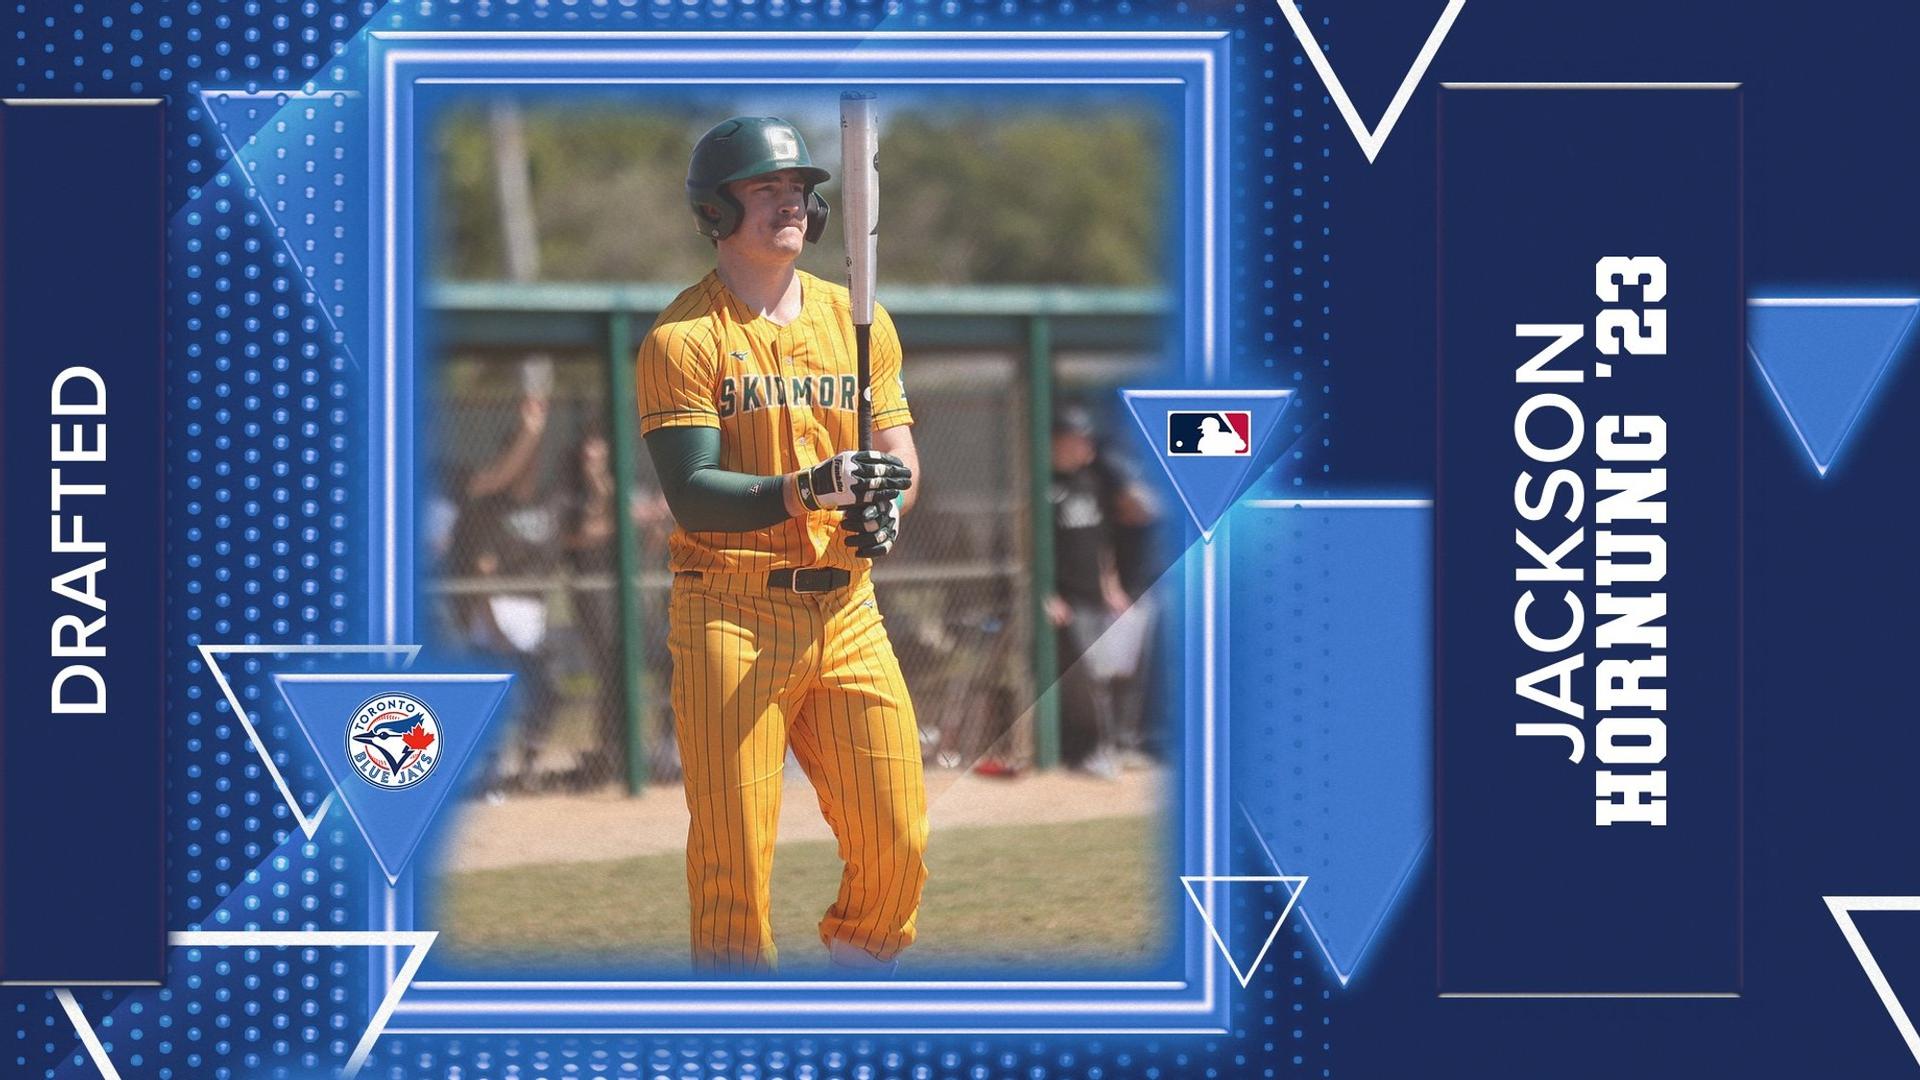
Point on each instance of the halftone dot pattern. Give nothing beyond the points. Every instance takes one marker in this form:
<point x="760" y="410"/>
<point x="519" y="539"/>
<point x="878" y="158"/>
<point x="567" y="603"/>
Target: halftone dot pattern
<point x="1282" y="1023"/>
<point x="262" y="535"/>
<point x="1282" y="587"/>
<point x="226" y="1013"/>
<point x="1268" y="1039"/>
<point x="263" y="417"/>
<point x="1287" y="139"/>
<point x="266" y="505"/>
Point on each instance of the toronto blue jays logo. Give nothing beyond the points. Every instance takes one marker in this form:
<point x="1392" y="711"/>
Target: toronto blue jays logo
<point x="393" y="741"/>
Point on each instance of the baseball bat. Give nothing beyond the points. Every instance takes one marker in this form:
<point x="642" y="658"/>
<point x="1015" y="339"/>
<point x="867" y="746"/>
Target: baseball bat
<point x="860" y="192"/>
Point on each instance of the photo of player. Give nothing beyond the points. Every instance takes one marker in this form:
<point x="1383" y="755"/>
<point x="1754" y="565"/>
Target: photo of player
<point x="826" y="695"/>
<point x="777" y="642"/>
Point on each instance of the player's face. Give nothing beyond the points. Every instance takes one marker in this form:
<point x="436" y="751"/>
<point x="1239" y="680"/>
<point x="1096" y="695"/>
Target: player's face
<point x="773" y="218"/>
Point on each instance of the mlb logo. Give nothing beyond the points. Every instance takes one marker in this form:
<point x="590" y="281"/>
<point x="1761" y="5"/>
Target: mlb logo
<point x="1216" y="433"/>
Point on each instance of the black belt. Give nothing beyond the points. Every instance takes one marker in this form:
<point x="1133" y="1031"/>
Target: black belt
<point x="818" y="579"/>
<point x="814" y="580"/>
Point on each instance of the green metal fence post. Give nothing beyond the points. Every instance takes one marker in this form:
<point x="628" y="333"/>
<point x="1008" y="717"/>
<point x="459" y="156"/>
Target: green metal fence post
<point x="1046" y="667"/>
<point x="625" y="411"/>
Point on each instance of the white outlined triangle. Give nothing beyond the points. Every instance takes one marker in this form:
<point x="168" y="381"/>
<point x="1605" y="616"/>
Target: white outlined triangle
<point x="1843" y="908"/>
<point x="210" y="653"/>
<point x="1370" y="140"/>
<point x="419" y="941"/>
<point x="1189" y="880"/>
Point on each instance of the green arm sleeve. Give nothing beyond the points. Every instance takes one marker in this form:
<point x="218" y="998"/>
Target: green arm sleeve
<point x="705" y="497"/>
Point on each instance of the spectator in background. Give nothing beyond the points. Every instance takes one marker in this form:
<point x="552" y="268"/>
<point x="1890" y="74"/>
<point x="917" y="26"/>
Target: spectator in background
<point x="443" y="510"/>
<point x="508" y="528"/>
<point x="1140" y="559"/>
<point x="592" y="544"/>
<point x="592" y="529"/>
<point x="1090" y="498"/>
<point x="653" y="518"/>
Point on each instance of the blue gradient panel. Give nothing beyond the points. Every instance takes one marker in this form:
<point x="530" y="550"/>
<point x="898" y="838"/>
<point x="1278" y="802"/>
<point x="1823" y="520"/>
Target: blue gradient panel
<point x="432" y="726"/>
<point x="1822" y="360"/>
<point x="1207" y="483"/>
<point x="81" y="723"/>
<point x="1588" y="578"/>
<point x="1332" y="689"/>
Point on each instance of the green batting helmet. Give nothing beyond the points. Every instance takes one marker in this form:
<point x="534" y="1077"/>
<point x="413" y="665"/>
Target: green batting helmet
<point x="747" y="146"/>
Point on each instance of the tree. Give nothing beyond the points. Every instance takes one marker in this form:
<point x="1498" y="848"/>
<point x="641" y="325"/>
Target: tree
<point x="1069" y="194"/>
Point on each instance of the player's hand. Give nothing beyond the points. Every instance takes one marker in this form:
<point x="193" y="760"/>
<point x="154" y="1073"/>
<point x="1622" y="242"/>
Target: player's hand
<point x="853" y="476"/>
<point x="1059" y="612"/>
<point x="872" y="527"/>
<point x="533" y="414"/>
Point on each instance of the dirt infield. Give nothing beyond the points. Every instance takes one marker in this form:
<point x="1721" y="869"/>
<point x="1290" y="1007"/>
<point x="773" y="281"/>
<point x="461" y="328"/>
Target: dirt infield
<point x="542" y="829"/>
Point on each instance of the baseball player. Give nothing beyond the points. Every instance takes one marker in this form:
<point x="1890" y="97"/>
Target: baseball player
<point x="747" y="401"/>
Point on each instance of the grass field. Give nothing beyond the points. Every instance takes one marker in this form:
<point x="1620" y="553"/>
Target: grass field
<point x="1091" y="895"/>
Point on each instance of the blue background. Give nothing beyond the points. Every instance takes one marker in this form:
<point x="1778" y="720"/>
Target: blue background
<point x="1829" y="211"/>
<point x="1332" y="293"/>
<point x="1535" y="187"/>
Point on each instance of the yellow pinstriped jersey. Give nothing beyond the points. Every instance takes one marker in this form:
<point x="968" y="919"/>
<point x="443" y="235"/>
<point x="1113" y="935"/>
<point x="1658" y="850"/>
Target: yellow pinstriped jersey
<point x="783" y="398"/>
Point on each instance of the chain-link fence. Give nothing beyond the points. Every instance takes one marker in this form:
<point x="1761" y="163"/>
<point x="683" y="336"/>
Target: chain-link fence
<point x="528" y="506"/>
<point x="957" y="593"/>
<point x="525" y="540"/>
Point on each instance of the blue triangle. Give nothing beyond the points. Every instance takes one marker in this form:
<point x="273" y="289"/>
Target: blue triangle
<point x="1823" y="360"/>
<point x="436" y="722"/>
<point x="1207" y="483"/>
<point x="1330" y="657"/>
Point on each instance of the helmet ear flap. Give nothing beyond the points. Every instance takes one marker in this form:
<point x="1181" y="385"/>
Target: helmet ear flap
<point x="817" y="211"/>
<point x="730" y="213"/>
<point x="706" y="219"/>
<point x="716" y="213"/>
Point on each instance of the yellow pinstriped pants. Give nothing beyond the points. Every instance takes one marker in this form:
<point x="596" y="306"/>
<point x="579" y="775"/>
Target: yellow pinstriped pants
<point x="754" y="673"/>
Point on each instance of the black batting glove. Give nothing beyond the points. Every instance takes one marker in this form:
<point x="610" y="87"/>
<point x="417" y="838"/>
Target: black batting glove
<point x="872" y="527"/>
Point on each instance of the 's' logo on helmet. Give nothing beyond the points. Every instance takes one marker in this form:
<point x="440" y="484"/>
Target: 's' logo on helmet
<point x="783" y="144"/>
<point x="393" y="741"/>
